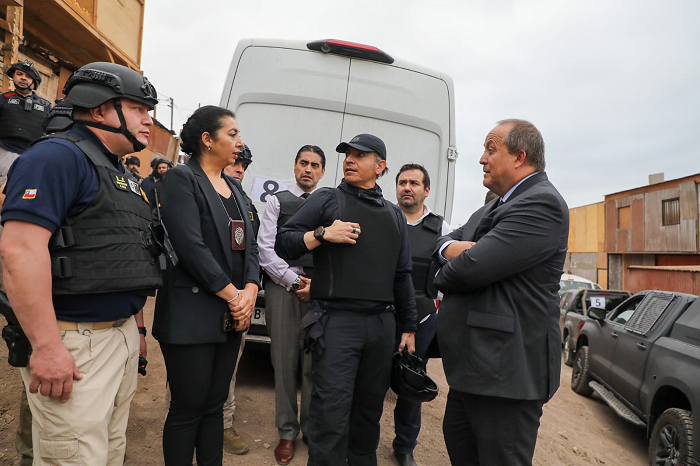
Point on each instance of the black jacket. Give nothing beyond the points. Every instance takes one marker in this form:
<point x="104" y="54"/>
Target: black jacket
<point x="498" y="325"/>
<point x="187" y="309"/>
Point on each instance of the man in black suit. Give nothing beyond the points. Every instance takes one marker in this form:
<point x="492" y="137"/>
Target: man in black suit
<point x="498" y="324"/>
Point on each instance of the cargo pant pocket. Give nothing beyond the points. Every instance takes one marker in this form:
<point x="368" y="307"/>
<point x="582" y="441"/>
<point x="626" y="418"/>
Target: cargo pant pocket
<point x="60" y="451"/>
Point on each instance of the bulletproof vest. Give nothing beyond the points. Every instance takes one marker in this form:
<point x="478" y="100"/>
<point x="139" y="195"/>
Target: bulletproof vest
<point x="364" y="270"/>
<point x="22" y="117"/>
<point x="103" y="248"/>
<point x="422" y="238"/>
<point x="289" y="204"/>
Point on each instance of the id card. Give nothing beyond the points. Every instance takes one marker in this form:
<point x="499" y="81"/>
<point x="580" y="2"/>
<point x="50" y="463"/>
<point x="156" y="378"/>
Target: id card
<point x="237" y="228"/>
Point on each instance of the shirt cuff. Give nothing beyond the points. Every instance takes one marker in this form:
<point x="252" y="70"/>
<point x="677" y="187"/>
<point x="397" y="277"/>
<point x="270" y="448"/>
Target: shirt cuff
<point x="441" y="258"/>
<point x="288" y="279"/>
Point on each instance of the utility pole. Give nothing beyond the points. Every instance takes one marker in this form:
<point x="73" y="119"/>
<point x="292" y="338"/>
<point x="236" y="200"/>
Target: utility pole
<point x="172" y="109"/>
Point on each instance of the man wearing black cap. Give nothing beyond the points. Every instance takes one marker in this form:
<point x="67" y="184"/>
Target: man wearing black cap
<point x="22" y="113"/>
<point x="362" y="278"/>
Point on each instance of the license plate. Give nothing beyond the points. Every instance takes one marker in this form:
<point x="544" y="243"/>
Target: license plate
<point x="258" y="317"/>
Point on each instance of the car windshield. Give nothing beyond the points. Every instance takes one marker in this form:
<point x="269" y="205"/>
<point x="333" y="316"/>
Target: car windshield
<point x="573" y="285"/>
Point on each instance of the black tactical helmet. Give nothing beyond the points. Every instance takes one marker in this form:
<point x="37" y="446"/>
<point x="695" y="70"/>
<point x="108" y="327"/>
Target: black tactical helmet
<point x="158" y="160"/>
<point x="60" y="118"/>
<point x="28" y="67"/>
<point x="409" y="379"/>
<point x="132" y="160"/>
<point x="96" y="83"/>
<point x="245" y="156"/>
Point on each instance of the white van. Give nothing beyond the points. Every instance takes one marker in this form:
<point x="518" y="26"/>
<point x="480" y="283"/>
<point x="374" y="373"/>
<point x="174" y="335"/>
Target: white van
<point x="287" y="94"/>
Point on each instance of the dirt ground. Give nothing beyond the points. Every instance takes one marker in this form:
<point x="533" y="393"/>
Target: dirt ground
<point x="574" y="430"/>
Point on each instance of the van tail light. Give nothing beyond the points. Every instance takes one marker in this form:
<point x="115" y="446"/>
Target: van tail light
<point x="580" y="326"/>
<point x="350" y="49"/>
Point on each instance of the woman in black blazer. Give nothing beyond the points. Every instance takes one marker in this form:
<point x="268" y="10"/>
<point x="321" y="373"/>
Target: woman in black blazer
<point x="214" y="286"/>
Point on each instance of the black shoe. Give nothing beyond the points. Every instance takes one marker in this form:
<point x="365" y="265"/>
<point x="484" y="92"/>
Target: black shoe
<point x="405" y="459"/>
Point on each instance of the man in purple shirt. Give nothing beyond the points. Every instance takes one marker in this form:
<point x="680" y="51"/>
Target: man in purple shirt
<point x="286" y="299"/>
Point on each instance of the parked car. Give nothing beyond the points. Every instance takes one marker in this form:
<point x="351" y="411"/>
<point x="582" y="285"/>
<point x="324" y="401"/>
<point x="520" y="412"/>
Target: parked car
<point x="573" y="308"/>
<point x="574" y="282"/>
<point x="643" y="359"/>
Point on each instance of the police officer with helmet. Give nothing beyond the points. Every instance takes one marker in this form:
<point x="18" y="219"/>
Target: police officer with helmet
<point x="132" y="163"/>
<point x="76" y="268"/>
<point x="22" y="113"/>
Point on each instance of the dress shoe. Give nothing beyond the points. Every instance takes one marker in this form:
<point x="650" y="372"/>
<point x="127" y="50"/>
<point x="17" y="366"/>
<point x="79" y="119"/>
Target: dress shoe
<point x="234" y="442"/>
<point x="405" y="459"/>
<point x="284" y="452"/>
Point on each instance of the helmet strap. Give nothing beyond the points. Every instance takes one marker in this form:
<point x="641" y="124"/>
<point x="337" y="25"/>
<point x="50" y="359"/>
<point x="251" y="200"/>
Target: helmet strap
<point x="138" y="146"/>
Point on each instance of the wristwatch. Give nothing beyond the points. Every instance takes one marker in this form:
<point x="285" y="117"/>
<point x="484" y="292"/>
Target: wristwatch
<point x="318" y="234"/>
<point x="296" y="284"/>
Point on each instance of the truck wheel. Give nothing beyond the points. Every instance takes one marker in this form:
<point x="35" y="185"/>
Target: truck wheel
<point x="580" y="376"/>
<point x="672" y="439"/>
<point x="568" y="352"/>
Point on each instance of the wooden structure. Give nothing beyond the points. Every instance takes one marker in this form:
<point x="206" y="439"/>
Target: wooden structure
<point x="60" y="36"/>
<point x="586" y="256"/>
<point x="650" y="229"/>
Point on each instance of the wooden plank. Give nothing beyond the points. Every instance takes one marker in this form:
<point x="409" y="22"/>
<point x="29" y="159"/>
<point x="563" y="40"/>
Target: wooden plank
<point x="18" y="3"/>
<point x="637" y="225"/>
<point x="12" y="35"/>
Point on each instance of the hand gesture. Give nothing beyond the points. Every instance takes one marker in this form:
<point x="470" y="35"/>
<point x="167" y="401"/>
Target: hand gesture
<point x="52" y="372"/>
<point x="304" y="289"/>
<point x="342" y="232"/>
<point x="242" y="307"/>
<point x="409" y="340"/>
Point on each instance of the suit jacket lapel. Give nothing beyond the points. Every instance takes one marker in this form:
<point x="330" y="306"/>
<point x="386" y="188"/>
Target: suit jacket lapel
<point x="490" y="210"/>
<point x="216" y="208"/>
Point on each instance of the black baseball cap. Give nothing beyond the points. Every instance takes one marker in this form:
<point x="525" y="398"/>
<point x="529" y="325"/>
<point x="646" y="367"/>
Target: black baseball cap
<point x="365" y="143"/>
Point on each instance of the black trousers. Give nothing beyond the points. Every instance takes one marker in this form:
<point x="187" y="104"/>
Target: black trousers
<point x="351" y="378"/>
<point x="199" y="378"/>
<point x="484" y="430"/>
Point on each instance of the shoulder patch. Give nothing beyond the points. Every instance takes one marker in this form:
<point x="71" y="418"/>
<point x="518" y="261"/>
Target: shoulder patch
<point x="120" y="182"/>
<point x="29" y="194"/>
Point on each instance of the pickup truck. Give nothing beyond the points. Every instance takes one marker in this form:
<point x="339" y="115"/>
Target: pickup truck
<point x="643" y="359"/>
<point x="573" y="313"/>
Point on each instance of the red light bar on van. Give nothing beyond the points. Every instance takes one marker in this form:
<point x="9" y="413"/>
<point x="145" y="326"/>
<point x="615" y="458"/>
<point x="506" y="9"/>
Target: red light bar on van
<point x="350" y="49"/>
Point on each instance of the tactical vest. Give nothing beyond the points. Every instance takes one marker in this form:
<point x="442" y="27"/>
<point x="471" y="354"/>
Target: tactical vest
<point x="364" y="270"/>
<point x="422" y="238"/>
<point x="22" y="117"/>
<point x="289" y="204"/>
<point x="103" y="248"/>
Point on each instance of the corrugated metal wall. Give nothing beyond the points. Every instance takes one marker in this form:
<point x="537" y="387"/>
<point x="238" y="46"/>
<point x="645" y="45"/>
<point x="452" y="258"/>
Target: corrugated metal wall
<point x="682" y="281"/>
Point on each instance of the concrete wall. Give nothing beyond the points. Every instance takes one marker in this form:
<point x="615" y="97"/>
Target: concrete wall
<point x="615" y="272"/>
<point x="583" y="264"/>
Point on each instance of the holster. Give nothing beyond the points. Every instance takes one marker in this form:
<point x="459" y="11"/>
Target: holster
<point x="18" y="345"/>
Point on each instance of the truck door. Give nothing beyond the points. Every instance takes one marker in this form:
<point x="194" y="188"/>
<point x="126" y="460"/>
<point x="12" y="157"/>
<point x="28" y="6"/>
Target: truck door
<point x="605" y="338"/>
<point x="410" y="112"/>
<point x="634" y="345"/>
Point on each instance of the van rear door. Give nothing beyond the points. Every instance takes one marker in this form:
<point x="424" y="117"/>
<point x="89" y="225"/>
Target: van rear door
<point x="283" y="99"/>
<point x="410" y="111"/>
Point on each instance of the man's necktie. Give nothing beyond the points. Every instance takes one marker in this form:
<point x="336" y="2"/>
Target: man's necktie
<point x="500" y="203"/>
<point x="305" y="195"/>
